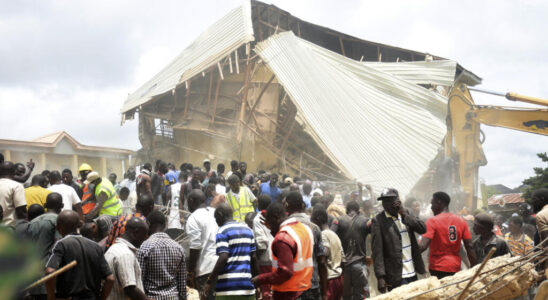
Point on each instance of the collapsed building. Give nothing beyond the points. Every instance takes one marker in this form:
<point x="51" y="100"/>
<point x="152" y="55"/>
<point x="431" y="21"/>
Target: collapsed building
<point x="265" y="87"/>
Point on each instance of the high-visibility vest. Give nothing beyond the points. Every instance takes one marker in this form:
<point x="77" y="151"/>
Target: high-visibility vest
<point x="303" y="265"/>
<point x="87" y="203"/>
<point x="113" y="206"/>
<point x="242" y="206"/>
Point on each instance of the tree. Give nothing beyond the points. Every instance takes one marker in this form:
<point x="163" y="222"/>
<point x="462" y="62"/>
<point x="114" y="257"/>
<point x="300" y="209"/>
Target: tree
<point x="539" y="180"/>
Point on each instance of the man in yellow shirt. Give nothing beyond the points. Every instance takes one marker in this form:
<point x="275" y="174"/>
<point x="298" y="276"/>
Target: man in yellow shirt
<point x="36" y="193"/>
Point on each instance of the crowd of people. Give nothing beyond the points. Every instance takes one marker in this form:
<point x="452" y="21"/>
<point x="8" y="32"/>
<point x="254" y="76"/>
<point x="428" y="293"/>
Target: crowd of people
<point x="241" y="235"/>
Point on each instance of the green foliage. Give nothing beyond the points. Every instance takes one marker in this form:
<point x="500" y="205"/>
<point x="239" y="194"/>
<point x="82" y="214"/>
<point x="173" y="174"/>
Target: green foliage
<point x="539" y="180"/>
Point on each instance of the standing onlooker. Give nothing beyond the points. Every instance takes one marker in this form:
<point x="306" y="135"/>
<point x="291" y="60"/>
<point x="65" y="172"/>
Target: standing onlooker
<point x="483" y="226"/>
<point x="236" y="250"/>
<point x="270" y="187"/>
<point x="12" y="195"/>
<point x="540" y="206"/>
<point x="334" y="253"/>
<point x="71" y="201"/>
<point x="162" y="262"/>
<point x="157" y="184"/>
<point x="296" y="209"/>
<point x="396" y="255"/>
<point x="84" y="280"/>
<point x="42" y="232"/>
<point x="293" y="242"/>
<point x="444" y="234"/>
<point x="240" y="198"/>
<point x="201" y="229"/>
<point x="143" y="181"/>
<point x="352" y="231"/>
<point x="66" y="175"/>
<point x="264" y="239"/>
<point x="307" y="193"/>
<point x="144" y="207"/>
<point x="518" y="241"/>
<point x="35" y="193"/>
<point x="123" y="262"/>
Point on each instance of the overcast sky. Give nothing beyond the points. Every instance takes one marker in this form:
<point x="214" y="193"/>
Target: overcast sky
<point x="69" y="65"/>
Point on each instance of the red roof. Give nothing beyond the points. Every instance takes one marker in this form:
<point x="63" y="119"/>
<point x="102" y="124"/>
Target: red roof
<point x="503" y="199"/>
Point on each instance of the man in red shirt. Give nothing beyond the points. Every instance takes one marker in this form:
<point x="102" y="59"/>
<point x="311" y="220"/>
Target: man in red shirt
<point x="292" y="259"/>
<point x="444" y="233"/>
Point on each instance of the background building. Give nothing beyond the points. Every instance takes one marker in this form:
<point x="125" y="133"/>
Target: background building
<point x="58" y="151"/>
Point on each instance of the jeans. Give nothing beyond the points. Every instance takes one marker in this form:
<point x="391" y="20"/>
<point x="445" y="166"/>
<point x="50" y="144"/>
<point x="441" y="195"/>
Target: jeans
<point x="355" y="283"/>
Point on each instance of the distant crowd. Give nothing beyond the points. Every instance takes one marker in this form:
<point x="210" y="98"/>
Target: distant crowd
<point x="242" y="235"/>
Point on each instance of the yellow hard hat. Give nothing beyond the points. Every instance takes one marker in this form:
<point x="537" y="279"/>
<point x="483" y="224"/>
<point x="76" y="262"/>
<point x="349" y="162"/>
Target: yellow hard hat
<point x="85" y="167"/>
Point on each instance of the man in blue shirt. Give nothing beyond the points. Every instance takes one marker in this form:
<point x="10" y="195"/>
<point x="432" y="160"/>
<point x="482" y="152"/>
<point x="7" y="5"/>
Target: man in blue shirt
<point x="236" y="250"/>
<point x="270" y="188"/>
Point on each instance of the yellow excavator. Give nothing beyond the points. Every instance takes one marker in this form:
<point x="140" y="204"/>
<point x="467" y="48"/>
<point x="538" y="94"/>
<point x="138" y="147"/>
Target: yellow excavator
<point x="464" y="137"/>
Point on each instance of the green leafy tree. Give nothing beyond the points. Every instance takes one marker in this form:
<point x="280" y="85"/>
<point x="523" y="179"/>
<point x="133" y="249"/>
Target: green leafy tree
<point x="539" y="180"/>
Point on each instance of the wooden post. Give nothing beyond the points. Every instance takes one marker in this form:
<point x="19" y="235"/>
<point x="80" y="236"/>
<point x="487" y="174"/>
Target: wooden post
<point x="7" y="155"/>
<point x="209" y="90"/>
<point x="342" y="46"/>
<point x="244" y="99"/>
<point x="216" y="98"/>
<point x="187" y="98"/>
<point x="74" y="164"/>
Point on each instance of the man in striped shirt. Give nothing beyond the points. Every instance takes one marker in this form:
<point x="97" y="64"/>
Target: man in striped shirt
<point x="518" y="241"/>
<point x="236" y="250"/>
<point x="396" y="255"/>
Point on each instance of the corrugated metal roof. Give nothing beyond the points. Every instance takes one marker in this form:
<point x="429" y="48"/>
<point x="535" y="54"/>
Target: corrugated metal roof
<point x="377" y="128"/>
<point x="437" y="72"/>
<point x="217" y="42"/>
<point x="503" y="199"/>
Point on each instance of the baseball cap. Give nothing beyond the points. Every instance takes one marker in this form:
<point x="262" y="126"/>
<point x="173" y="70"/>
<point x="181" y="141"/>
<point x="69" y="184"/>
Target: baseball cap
<point x="388" y="193"/>
<point x="91" y="177"/>
<point x="206" y="161"/>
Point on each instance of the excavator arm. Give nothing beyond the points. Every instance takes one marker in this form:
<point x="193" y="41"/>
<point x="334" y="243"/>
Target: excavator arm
<point x="462" y="142"/>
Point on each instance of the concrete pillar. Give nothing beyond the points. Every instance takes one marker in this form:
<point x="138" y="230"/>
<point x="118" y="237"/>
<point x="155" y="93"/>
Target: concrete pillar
<point x="42" y="161"/>
<point x="74" y="164"/>
<point x="7" y="155"/>
<point x="103" y="168"/>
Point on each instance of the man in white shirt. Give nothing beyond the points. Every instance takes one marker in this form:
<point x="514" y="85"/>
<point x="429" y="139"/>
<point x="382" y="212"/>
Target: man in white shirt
<point x="124" y="264"/>
<point x="201" y="228"/>
<point x="71" y="201"/>
<point x="264" y="239"/>
<point x="12" y="195"/>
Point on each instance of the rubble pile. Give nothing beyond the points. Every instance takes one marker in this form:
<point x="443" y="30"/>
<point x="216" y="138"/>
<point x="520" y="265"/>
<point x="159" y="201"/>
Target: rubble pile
<point x="509" y="286"/>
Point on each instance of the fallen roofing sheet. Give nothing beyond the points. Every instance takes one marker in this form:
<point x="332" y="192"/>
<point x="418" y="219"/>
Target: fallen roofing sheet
<point x="375" y="127"/>
<point x="217" y="42"/>
<point x="437" y="72"/>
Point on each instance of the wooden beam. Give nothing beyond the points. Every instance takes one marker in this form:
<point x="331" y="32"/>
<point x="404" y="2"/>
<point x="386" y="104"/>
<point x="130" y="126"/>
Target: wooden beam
<point x="244" y="100"/>
<point x="187" y="98"/>
<point x="342" y="46"/>
<point x="216" y="99"/>
<point x="252" y="110"/>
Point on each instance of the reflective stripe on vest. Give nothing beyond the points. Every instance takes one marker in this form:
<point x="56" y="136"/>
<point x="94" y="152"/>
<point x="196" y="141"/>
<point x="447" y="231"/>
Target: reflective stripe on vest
<point x="112" y="206"/>
<point x="241" y="207"/>
<point x="87" y="204"/>
<point x="303" y="265"/>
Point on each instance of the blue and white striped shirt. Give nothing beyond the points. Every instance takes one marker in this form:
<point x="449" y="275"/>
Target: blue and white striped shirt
<point x="238" y="241"/>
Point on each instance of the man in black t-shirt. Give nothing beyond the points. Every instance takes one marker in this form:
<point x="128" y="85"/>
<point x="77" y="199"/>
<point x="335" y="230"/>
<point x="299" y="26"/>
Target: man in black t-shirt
<point x="84" y="280"/>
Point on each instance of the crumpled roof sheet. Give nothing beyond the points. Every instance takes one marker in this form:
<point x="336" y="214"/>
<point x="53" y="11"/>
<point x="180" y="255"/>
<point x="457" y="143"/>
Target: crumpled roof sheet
<point x="217" y="42"/>
<point x="437" y="72"/>
<point x="376" y="127"/>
